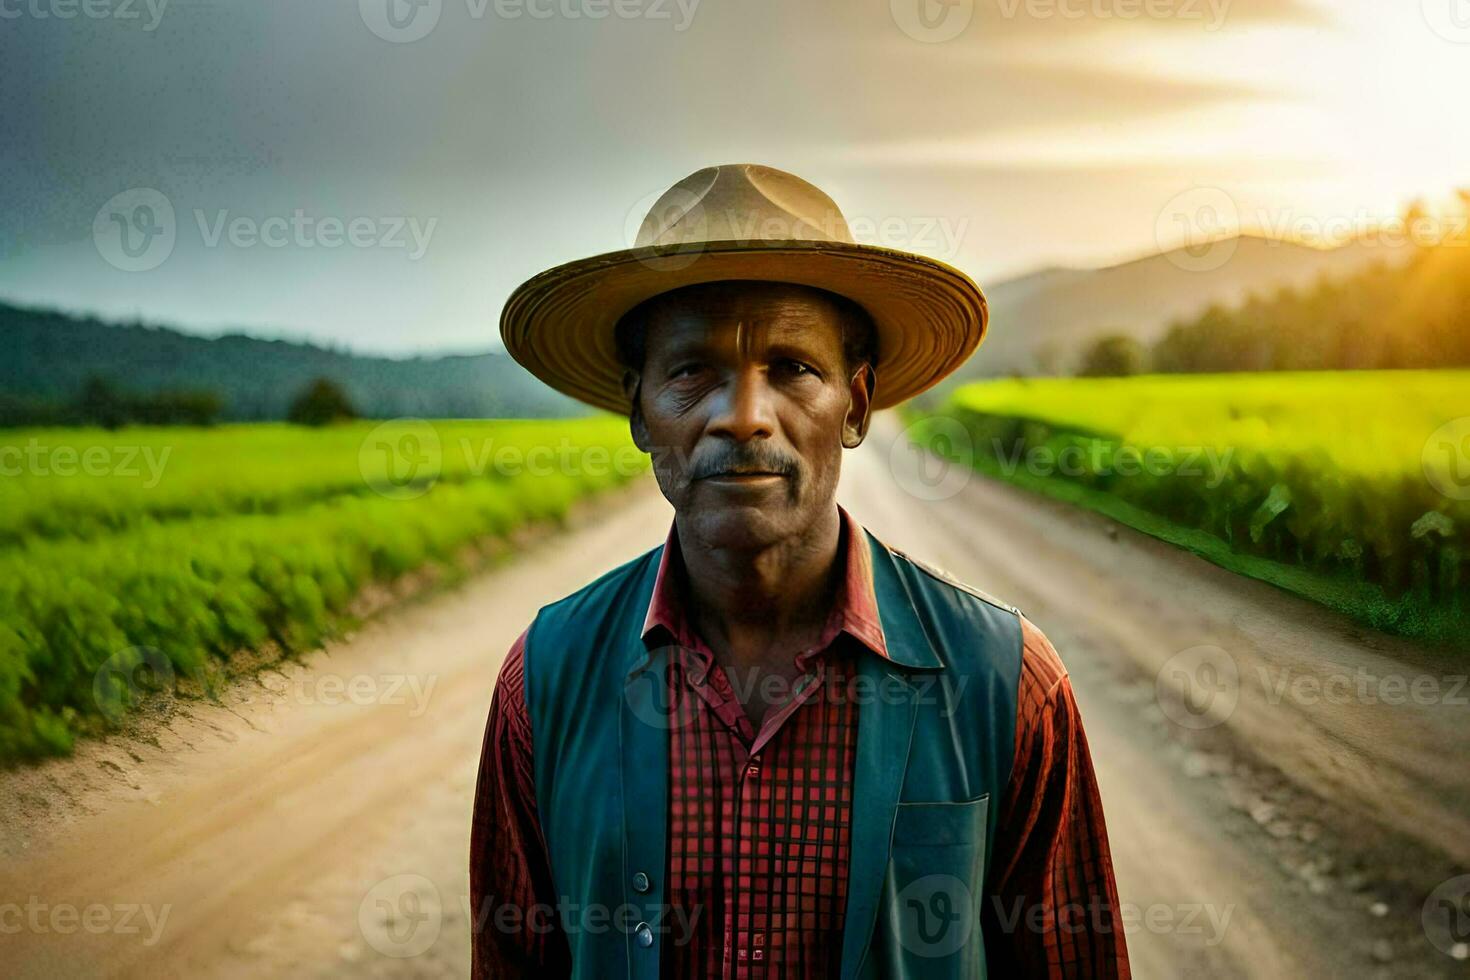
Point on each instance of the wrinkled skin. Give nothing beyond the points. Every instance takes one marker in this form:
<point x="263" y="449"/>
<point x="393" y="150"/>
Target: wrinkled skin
<point x="745" y="401"/>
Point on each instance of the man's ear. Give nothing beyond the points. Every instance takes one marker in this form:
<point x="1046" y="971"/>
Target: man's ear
<point x="859" y="406"/>
<point x="632" y="390"/>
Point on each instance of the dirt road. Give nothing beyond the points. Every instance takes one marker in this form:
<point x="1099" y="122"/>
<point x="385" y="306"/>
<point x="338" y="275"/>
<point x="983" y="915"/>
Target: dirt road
<point x="315" y="823"/>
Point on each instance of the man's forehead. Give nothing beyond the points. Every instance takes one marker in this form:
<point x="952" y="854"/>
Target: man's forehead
<point x="771" y="312"/>
<point x="747" y="333"/>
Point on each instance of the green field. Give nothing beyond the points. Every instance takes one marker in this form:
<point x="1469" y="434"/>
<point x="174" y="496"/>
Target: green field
<point x="146" y="553"/>
<point x="1350" y="487"/>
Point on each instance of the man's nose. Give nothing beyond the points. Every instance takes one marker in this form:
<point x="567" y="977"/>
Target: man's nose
<point x="746" y="408"/>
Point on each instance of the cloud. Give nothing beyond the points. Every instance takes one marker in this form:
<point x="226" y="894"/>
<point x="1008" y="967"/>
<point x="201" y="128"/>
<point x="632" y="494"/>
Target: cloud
<point x="969" y="98"/>
<point x="1061" y="18"/>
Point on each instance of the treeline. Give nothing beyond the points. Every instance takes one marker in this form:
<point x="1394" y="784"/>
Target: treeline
<point x="321" y="402"/>
<point x="1413" y="315"/>
<point x="101" y="404"/>
<point x="47" y="356"/>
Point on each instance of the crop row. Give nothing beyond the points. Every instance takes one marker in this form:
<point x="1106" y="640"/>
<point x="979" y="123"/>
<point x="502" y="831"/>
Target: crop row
<point x="87" y="624"/>
<point x="1359" y="477"/>
<point x="86" y="483"/>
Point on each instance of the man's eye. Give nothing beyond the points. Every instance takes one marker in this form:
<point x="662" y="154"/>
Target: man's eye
<point x="685" y="370"/>
<point x="796" y="368"/>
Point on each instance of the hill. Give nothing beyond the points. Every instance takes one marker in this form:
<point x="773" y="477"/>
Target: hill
<point x="48" y="356"/>
<point x="1413" y="314"/>
<point x="1043" y="321"/>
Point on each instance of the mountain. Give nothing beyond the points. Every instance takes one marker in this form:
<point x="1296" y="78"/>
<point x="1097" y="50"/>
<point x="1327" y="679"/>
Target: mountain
<point x="48" y="356"/>
<point x="1041" y="323"/>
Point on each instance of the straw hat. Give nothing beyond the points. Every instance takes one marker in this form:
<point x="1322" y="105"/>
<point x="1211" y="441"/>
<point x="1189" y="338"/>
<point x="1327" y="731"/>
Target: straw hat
<point x="743" y="221"/>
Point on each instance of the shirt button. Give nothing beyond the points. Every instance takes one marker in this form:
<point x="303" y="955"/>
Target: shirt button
<point x="641" y="883"/>
<point x="644" y="934"/>
<point x="753" y="768"/>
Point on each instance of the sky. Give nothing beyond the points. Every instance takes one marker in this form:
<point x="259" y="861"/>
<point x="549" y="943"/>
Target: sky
<point x="380" y="174"/>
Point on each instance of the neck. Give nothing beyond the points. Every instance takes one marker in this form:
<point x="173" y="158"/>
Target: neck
<point x="750" y="605"/>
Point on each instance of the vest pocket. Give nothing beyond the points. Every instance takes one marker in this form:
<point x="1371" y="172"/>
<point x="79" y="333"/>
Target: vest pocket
<point x="961" y="822"/>
<point x="935" y="883"/>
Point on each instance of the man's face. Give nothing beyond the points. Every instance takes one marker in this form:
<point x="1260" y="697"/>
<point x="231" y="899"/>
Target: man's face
<point x="746" y="402"/>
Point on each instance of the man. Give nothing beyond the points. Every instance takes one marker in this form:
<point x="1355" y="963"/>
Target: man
<point x="775" y="747"/>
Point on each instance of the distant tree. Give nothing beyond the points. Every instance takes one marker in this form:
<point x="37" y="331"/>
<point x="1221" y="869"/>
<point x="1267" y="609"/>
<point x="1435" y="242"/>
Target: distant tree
<point x="177" y="408"/>
<point x="100" y="404"/>
<point x="1115" y="355"/>
<point x="1424" y="227"/>
<point x="17" y="410"/>
<point x="321" y="403"/>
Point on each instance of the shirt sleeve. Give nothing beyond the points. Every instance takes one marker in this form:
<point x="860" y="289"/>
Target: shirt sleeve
<point x="1052" y="908"/>
<point x="513" y="909"/>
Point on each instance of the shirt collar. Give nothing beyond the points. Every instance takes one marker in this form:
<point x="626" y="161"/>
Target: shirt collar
<point x="856" y="611"/>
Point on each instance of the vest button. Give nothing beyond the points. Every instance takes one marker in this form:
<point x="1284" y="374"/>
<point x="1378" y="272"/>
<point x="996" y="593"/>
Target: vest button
<point x="643" y="934"/>
<point x="641" y="883"/>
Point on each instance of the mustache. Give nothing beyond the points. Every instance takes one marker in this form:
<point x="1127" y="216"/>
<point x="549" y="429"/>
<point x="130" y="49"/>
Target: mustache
<point x="734" y="457"/>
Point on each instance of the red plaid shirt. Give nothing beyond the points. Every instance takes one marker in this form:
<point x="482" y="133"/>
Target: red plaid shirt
<point x="758" y="821"/>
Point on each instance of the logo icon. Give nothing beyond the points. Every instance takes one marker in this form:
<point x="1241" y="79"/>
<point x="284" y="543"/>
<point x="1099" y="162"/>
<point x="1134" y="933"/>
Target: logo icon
<point x="1197" y="230"/>
<point x="1198" y="688"/>
<point x="1446" y="917"/>
<point x="932" y="21"/>
<point x="1446" y="459"/>
<point x="135" y="230"/>
<point x="400" y="21"/>
<point x="653" y="215"/>
<point x="401" y="916"/>
<point x="1450" y="19"/>
<point x="401" y="459"/>
<point x="933" y="459"/>
<point x="126" y="676"/>
<point x="938" y="915"/>
<point x="650" y="695"/>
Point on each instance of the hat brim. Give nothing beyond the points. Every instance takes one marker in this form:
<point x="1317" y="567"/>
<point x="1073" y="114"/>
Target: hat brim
<point x="559" y="325"/>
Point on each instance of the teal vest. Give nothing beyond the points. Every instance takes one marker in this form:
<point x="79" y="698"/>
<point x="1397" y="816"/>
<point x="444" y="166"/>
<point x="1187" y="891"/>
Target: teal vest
<point x="935" y="742"/>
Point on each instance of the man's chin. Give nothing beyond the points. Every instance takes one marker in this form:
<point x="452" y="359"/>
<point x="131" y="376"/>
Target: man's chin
<point x="739" y="526"/>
